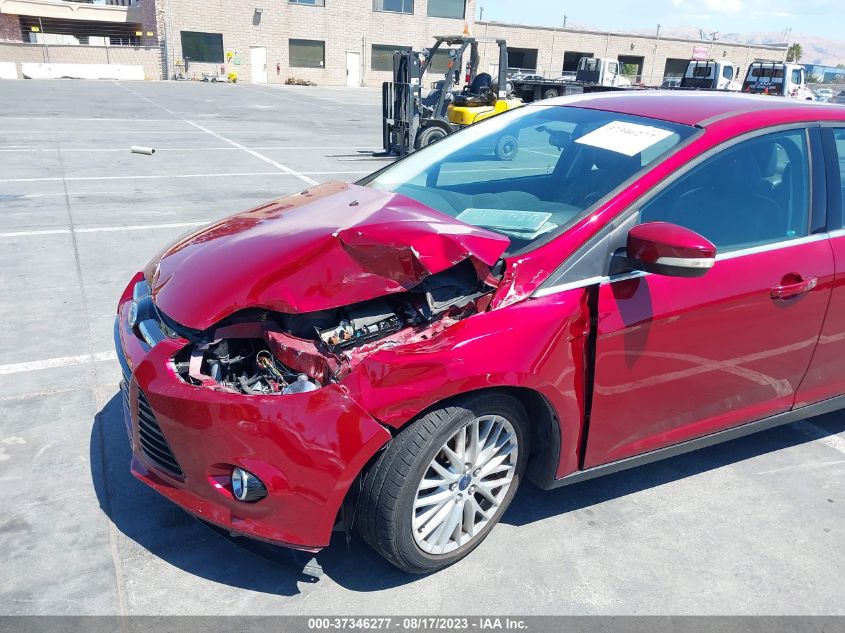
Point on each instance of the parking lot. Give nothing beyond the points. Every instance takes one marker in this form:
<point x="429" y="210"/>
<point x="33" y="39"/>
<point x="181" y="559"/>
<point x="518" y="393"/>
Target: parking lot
<point x="753" y="526"/>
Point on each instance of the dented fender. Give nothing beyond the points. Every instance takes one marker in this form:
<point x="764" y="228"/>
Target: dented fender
<point x="490" y="349"/>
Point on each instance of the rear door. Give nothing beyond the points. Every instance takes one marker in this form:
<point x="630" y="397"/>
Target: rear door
<point x="682" y="358"/>
<point x="826" y="376"/>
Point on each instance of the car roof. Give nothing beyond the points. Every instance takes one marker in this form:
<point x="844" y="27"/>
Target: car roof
<point x="696" y="107"/>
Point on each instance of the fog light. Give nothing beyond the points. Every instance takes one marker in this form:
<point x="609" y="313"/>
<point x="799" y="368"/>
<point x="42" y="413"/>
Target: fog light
<point x="246" y="486"/>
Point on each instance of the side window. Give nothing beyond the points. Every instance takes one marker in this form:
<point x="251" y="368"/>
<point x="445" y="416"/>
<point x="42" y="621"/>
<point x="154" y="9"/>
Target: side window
<point x="756" y="192"/>
<point x="728" y="72"/>
<point x="796" y="77"/>
<point x="839" y="136"/>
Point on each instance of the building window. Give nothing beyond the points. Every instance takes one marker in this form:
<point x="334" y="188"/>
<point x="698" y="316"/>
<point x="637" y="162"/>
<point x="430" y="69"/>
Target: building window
<point x="307" y="53"/>
<point x="202" y="47"/>
<point x="447" y="8"/>
<point x="440" y="62"/>
<point x="381" y="57"/>
<point x="522" y="59"/>
<point x="394" y="6"/>
<point x="313" y="3"/>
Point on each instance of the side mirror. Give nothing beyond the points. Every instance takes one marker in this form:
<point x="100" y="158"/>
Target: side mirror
<point x="668" y="249"/>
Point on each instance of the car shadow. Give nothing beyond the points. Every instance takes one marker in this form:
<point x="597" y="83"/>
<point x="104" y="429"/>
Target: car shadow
<point x="532" y="504"/>
<point x="160" y="527"/>
<point x="176" y="537"/>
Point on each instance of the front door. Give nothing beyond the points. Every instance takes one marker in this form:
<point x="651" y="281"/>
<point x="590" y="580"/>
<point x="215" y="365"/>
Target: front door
<point x="258" y="61"/>
<point x="681" y="358"/>
<point x="353" y="69"/>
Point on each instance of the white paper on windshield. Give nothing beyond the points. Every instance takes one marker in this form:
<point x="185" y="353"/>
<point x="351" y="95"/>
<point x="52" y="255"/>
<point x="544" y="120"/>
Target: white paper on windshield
<point x="624" y="138"/>
<point x="505" y="219"/>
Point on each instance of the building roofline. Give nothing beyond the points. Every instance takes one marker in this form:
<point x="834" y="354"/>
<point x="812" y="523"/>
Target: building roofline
<point x="537" y="27"/>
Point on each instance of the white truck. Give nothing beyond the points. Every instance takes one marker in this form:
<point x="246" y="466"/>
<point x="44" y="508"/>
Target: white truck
<point x="598" y="72"/>
<point x="778" y="78"/>
<point x="709" y="74"/>
<point x="593" y="75"/>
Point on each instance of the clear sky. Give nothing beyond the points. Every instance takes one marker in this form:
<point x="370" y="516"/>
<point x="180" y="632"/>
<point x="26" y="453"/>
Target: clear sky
<point x="823" y="18"/>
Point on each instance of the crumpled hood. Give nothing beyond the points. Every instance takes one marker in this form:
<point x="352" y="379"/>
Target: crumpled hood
<point x="327" y="247"/>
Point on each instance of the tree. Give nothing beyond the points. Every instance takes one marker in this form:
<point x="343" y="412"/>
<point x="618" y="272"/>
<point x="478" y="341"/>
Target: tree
<point x="631" y="70"/>
<point x="794" y="53"/>
<point x="840" y="65"/>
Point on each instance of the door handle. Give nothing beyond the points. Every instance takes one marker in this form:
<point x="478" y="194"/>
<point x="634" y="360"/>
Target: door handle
<point x="794" y="288"/>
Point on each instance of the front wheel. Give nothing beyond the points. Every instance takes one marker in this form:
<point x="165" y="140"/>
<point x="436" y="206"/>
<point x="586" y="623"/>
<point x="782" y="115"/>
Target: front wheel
<point x="429" y="135"/>
<point x="443" y="483"/>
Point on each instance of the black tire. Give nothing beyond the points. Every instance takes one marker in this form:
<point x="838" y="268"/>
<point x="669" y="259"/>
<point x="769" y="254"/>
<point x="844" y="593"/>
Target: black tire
<point x="385" y="507"/>
<point x="507" y="147"/>
<point x="429" y="135"/>
<point x="551" y="93"/>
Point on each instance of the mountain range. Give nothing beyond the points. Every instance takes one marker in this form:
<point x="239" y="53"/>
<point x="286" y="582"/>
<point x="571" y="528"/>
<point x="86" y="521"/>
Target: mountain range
<point x="817" y="50"/>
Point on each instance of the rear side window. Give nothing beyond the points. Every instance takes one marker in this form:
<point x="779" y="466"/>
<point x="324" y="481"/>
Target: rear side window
<point x="839" y="136"/>
<point x="756" y="192"/>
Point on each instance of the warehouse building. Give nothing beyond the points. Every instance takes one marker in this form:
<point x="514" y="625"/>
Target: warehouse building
<point x="329" y="42"/>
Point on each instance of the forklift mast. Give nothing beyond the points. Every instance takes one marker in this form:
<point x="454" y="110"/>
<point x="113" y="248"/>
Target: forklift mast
<point x="405" y="111"/>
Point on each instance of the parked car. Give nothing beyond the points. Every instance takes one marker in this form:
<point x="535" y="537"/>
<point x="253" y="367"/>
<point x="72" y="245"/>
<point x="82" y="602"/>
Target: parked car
<point x="838" y="98"/>
<point x="824" y="94"/>
<point x="395" y="356"/>
<point x="527" y="77"/>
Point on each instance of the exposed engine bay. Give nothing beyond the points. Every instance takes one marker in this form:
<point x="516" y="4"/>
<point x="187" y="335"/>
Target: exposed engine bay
<point x="258" y="352"/>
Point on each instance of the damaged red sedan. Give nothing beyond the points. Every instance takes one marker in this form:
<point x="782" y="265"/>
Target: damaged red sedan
<point x="636" y="277"/>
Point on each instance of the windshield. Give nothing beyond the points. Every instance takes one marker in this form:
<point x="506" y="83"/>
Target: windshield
<point x="530" y="173"/>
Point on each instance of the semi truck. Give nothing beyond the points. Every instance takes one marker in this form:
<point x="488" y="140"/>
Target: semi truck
<point x="778" y="78"/>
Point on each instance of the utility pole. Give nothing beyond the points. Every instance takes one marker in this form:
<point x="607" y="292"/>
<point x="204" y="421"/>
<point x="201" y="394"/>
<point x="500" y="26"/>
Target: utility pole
<point x="654" y="55"/>
<point x="712" y="43"/>
<point x="481" y="16"/>
<point x="565" y="18"/>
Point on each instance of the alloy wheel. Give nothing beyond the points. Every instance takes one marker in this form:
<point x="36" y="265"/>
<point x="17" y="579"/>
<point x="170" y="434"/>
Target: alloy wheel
<point x="465" y="484"/>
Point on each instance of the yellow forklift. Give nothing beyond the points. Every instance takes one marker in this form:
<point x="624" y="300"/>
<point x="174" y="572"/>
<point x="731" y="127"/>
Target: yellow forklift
<point x="411" y="121"/>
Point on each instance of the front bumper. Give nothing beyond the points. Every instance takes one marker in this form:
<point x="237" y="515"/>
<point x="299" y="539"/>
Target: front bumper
<point x="307" y="448"/>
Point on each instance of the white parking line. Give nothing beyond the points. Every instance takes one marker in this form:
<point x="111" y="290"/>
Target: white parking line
<point x="28" y="150"/>
<point x="302" y="175"/>
<point x="51" y="363"/>
<point x="283" y="168"/>
<point x="3" y="117"/>
<point x="325" y="173"/>
<point x="142" y="177"/>
<point x="258" y="155"/>
<point x="103" y="229"/>
<point x="53" y="133"/>
<point x="820" y="435"/>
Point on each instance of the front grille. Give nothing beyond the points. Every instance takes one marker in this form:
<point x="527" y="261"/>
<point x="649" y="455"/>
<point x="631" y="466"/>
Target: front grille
<point x="152" y="440"/>
<point x="124" y="392"/>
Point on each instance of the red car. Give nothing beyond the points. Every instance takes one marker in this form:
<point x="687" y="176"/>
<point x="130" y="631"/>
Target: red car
<point x="637" y="276"/>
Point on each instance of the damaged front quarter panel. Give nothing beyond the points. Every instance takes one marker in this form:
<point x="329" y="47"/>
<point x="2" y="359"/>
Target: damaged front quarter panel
<point x="258" y="352"/>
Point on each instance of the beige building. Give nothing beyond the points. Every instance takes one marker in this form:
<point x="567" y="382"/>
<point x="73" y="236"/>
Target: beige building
<point x="330" y="42"/>
<point x="552" y="51"/>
